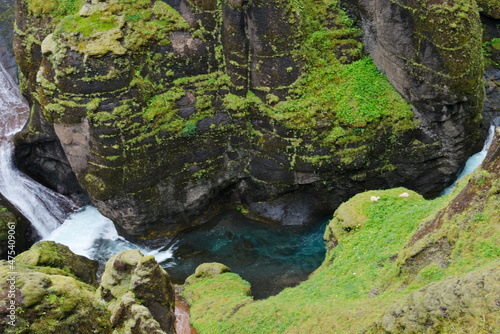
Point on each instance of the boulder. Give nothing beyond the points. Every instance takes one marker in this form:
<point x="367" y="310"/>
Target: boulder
<point x="48" y="300"/>
<point x="139" y="293"/>
<point x="207" y="270"/>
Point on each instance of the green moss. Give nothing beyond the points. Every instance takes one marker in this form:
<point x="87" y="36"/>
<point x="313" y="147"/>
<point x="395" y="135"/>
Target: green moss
<point x="87" y="26"/>
<point x="56" y="8"/>
<point x="490" y="8"/>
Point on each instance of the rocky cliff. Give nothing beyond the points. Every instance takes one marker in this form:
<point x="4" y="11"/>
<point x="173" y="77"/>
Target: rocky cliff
<point x="13" y="223"/>
<point x="170" y="112"/>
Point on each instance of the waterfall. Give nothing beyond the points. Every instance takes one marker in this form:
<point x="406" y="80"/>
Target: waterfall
<point x="474" y="161"/>
<point x="44" y="208"/>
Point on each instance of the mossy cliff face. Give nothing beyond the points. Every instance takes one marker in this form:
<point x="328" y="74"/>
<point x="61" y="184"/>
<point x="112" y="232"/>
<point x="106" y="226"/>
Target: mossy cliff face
<point x="436" y="63"/>
<point x="170" y="112"/>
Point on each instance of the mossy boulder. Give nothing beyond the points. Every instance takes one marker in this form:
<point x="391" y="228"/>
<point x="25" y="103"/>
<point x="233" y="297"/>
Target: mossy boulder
<point x="54" y="255"/>
<point x="139" y="293"/>
<point x="207" y="270"/>
<point x="351" y="215"/>
<point x="47" y="300"/>
<point x="217" y="294"/>
<point x="490" y="8"/>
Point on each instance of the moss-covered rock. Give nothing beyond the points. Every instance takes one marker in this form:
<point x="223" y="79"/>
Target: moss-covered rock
<point x="139" y="294"/>
<point x="463" y="301"/>
<point x="207" y="270"/>
<point x="54" y="255"/>
<point x="490" y="8"/>
<point x="47" y="300"/>
<point x="351" y="215"/>
<point x="169" y="115"/>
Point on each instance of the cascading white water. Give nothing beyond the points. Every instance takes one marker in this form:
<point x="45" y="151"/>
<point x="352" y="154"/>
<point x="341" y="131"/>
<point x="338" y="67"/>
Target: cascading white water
<point x="88" y="233"/>
<point x="44" y="208"/>
<point x="474" y="161"/>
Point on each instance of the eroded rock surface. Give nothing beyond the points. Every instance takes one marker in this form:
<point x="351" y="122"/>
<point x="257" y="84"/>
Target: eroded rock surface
<point x="139" y="294"/>
<point x="171" y="112"/>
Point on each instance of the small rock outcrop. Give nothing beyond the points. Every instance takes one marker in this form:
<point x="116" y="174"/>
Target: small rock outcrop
<point x="16" y="228"/>
<point x="351" y="214"/>
<point x="209" y="270"/>
<point x="434" y="307"/>
<point x="139" y="294"/>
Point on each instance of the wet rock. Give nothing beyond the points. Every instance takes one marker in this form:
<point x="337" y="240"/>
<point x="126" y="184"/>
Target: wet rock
<point x="445" y="87"/>
<point x="6" y="38"/>
<point x="13" y="223"/>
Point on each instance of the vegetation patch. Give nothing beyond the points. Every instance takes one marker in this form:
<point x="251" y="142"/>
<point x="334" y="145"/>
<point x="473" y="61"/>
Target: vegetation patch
<point x="362" y="274"/>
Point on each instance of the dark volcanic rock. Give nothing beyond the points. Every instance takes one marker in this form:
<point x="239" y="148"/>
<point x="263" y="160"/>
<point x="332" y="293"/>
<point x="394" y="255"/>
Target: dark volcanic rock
<point x="22" y="234"/>
<point x="6" y="37"/>
<point x="437" y="70"/>
<point x="165" y="113"/>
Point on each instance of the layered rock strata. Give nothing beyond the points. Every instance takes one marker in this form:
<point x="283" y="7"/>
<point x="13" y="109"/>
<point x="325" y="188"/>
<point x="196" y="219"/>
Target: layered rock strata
<point x="170" y="112"/>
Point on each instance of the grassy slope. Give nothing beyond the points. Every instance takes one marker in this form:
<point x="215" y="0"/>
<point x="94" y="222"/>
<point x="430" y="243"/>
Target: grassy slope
<point x="372" y="267"/>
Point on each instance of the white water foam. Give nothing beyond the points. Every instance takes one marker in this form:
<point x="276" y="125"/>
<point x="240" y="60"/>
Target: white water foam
<point x="474" y="161"/>
<point x="88" y="233"/>
<point x="44" y="208"/>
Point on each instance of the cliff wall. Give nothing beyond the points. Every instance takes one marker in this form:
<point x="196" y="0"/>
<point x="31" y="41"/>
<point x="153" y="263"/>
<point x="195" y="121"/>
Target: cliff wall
<point x="170" y="112"/>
